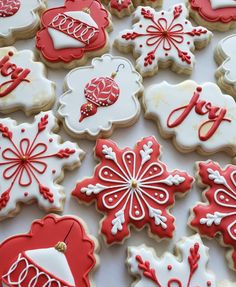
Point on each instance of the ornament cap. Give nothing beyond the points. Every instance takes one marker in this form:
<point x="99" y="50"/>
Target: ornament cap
<point x="61" y="247"/>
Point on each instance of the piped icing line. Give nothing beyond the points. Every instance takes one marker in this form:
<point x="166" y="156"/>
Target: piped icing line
<point x="217" y="213"/>
<point x="31" y="163"/>
<point x="198" y="117"/>
<point x="188" y="267"/>
<point x="132" y="186"/>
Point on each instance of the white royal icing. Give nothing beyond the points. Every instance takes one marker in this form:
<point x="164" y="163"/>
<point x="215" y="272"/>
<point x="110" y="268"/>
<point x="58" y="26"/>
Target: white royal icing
<point x="31" y="95"/>
<point x="216" y="4"/>
<point x="170" y="270"/>
<point x="162" y="99"/>
<point x="24" y="18"/>
<point x="44" y="158"/>
<point x="226" y="47"/>
<point x="123" y="111"/>
<point x="179" y="45"/>
<point x="61" y="40"/>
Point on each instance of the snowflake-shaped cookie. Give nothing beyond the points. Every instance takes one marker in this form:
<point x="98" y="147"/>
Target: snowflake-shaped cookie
<point x="32" y="160"/>
<point x="19" y="19"/>
<point x="187" y="268"/>
<point x="217" y="215"/>
<point x="133" y="187"/>
<point x="122" y="8"/>
<point x="163" y="38"/>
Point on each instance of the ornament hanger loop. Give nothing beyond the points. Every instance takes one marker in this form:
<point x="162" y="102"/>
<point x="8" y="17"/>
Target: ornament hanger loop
<point x="121" y="66"/>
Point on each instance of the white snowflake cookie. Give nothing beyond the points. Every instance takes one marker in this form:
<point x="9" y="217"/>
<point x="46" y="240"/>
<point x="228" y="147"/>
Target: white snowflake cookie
<point x="187" y="268"/>
<point x="163" y="39"/>
<point x="196" y="117"/>
<point x="23" y="83"/>
<point x="226" y="58"/>
<point x="32" y="160"/>
<point x="19" y="19"/>
<point x="101" y="97"/>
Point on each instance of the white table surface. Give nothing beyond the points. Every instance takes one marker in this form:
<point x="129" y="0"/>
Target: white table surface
<point x="112" y="270"/>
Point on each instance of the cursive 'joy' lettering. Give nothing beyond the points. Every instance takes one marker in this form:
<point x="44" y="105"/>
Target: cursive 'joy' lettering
<point x="216" y="116"/>
<point x="17" y="75"/>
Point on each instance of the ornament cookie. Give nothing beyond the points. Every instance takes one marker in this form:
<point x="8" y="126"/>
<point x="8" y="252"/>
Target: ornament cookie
<point x="196" y="117"/>
<point x="132" y="186"/>
<point x="98" y="100"/>
<point x="122" y="8"/>
<point x="19" y="19"/>
<point x="73" y="32"/>
<point x="32" y="161"/>
<point x="226" y="58"/>
<point x="163" y="39"/>
<point x="57" y="252"/>
<point x="23" y="83"/>
<point x="187" y="268"/>
<point x="216" y="216"/>
<point x="217" y="15"/>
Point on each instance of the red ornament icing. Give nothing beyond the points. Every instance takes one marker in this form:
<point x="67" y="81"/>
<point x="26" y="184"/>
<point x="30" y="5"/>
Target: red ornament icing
<point x="99" y="92"/>
<point x="17" y="75"/>
<point x="93" y="38"/>
<point x="218" y="215"/>
<point x="151" y="274"/>
<point x="46" y="233"/>
<point x="25" y="160"/>
<point x="204" y="9"/>
<point x="216" y="115"/>
<point x="166" y="35"/>
<point x="133" y="187"/>
<point x="9" y="8"/>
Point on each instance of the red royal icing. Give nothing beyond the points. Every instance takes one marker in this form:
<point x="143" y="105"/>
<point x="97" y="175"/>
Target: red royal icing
<point x="121" y="5"/>
<point x="216" y="115"/>
<point x="132" y="186"/>
<point x="204" y="9"/>
<point x="9" y="8"/>
<point x="218" y="214"/>
<point x="93" y="38"/>
<point x="16" y="74"/>
<point x="46" y="233"/>
<point x="150" y="273"/>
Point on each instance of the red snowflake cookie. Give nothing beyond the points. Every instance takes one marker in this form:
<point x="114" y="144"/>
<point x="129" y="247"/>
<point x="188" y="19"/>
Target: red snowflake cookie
<point x="217" y="215"/>
<point x="131" y="186"/>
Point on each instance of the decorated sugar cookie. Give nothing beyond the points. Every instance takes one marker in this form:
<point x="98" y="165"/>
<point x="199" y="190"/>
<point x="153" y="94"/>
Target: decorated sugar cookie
<point x="214" y="14"/>
<point x="225" y="57"/>
<point x="217" y="213"/>
<point x="73" y="32"/>
<point x="19" y="19"/>
<point x="196" y="117"/>
<point x="132" y="186"/>
<point x="163" y="39"/>
<point x="56" y="252"/>
<point x="122" y="8"/>
<point x="98" y="99"/>
<point x="187" y="268"/>
<point x="32" y="160"/>
<point x="23" y="83"/>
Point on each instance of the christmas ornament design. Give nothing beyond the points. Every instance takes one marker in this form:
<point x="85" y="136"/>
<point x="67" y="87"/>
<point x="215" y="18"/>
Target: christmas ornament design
<point x="214" y="14"/>
<point x="73" y="32"/>
<point x="197" y="117"/>
<point x="98" y="100"/>
<point x="122" y="8"/>
<point x="9" y="7"/>
<point x="23" y="83"/>
<point x="163" y="39"/>
<point x="187" y="268"/>
<point x="31" y="163"/>
<point x="217" y="215"/>
<point x="19" y="19"/>
<point x="133" y="187"/>
<point x="56" y="252"/>
<point x="225" y="57"/>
